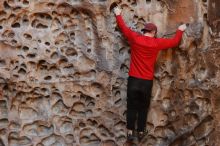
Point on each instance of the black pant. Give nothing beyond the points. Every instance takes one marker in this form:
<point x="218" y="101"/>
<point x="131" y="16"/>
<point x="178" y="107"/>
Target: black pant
<point x="138" y="101"/>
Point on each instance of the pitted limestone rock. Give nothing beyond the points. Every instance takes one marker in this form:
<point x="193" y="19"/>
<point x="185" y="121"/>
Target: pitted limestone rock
<point x="64" y="65"/>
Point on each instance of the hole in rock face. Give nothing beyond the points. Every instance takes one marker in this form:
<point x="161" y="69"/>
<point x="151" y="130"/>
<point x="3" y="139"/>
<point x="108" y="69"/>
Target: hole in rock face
<point x="12" y="16"/>
<point x="25" y="48"/>
<point x="3" y="13"/>
<point x="44" y="16"/>
<point x="91" y="140"/>
<point x="79" y="107"/>
<point x="70" y="138"/>
<point x="32" y="64"/>
<point x="25" y="2"/>
<point x="50" y="4"/>
<point x="72" y="35"/>
<point x="54" y="55"/>
<point x="117" y="93"/>
<point x="31" y="55"/>
<point x="8" y="33"/>
<point x="205" y="16"/>
<point x="92" y="122"/>
<point x="13" y="42"/>
<point x="48" y="78"/>
<point x="23" y="65"/>
<point x="41" y="62"/>
<point x="124" y="68"/>
<point x="37" y="24"/>
<point x="15" y="25"/>
<point x="25" y="21"/>
<point x="2" y="63"/>
<point x="71" y="52"/>
<point x="19" y="141"/>
<point x="59" y="107"/>
<point x="42" y="65"/>
<point x="16" y="9"/>
<point x="27" y="36"/>
<point x="63" y="60"/>
<point x="134" y="3"/>
<point x="82" y="125"/>
<point x="6" y="5"/>
<point x="47" y="51"/>
<point x="116" y="28"/>
<point x="22" y="71"/>
<point x="47" y="43"/>
<point x="112" y="6"/>
<point x="91" y="104"/>
<point x="16" y="76"/>
<point x="41" y="26"/>
<point x="122" y="50"/>
<point x="104" y="130"/>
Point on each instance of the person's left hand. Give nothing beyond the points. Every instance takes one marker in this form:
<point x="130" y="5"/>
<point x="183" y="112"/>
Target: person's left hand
<point x="117" y="11"/>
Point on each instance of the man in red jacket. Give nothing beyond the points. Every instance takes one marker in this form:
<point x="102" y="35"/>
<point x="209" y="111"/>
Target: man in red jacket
<point x="144" y="50"/>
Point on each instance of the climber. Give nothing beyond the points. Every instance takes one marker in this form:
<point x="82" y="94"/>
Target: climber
<point x="144" y="50"/>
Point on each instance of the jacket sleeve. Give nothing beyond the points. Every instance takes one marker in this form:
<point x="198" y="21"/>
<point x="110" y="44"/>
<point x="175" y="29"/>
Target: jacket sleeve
<point x="164" y="43"/>
<point x="127" y="32"/>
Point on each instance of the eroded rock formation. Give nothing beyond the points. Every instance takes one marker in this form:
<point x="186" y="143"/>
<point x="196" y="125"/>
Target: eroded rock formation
<point x="64" y="64"/>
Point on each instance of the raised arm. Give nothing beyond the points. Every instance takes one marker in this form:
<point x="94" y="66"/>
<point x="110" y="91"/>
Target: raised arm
<point x="127" y="32"/>
<point x="164" y="43"/>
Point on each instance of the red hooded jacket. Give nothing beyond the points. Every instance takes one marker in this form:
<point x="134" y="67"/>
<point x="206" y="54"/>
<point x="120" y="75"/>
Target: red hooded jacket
<point x="144" y="50"/>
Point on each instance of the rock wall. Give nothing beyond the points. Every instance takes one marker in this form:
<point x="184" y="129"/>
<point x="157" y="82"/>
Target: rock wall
<point x="64" y="64"/>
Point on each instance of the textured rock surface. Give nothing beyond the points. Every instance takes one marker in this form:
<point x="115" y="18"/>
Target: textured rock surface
<point x="63" y="70"/>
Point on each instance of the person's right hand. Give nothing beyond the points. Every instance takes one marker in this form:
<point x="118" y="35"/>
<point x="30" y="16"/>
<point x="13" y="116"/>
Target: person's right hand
<point x="182" y="27"/>
<point x="117" y="11"/>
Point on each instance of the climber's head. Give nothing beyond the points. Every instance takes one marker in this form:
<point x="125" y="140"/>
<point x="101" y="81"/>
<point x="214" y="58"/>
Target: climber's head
<point x="150" y="29"/>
